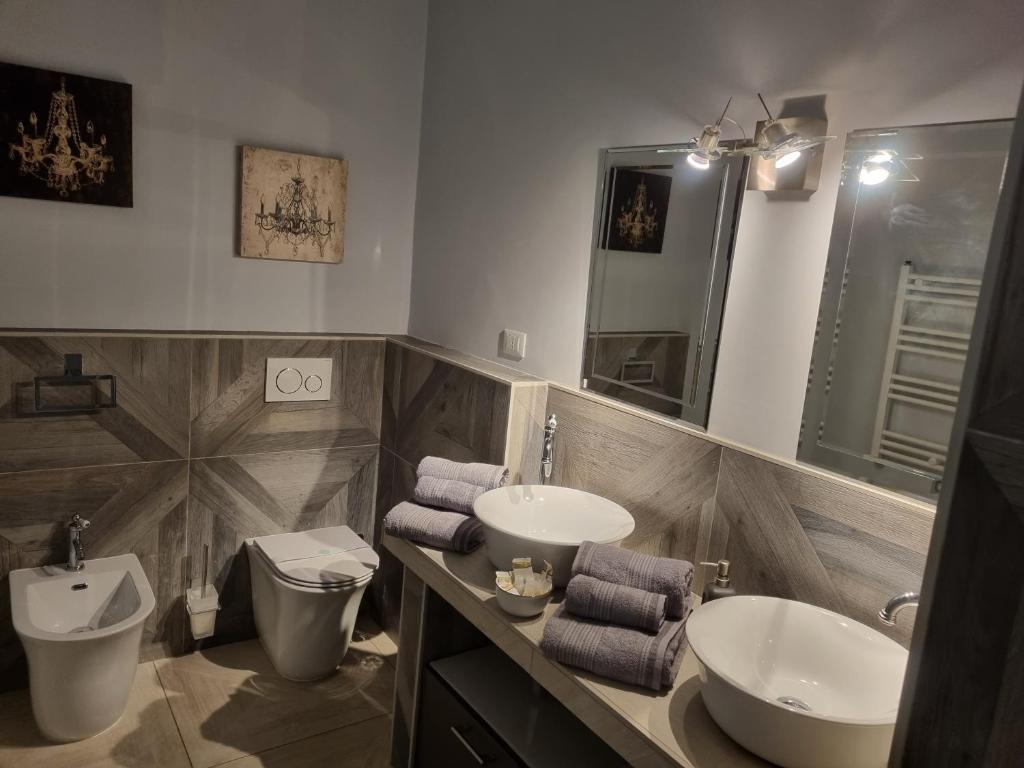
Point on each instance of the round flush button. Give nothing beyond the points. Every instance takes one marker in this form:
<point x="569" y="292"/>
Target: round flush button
<point x="288" y="381"/>
<point x="313" y="383"/>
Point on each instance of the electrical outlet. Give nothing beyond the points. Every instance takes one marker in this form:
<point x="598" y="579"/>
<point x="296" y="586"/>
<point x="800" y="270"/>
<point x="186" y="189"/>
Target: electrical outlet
<point x="512" y="344"/>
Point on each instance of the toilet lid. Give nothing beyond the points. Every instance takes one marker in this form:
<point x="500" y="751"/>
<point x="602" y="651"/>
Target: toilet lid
<point x="319" y="558"/>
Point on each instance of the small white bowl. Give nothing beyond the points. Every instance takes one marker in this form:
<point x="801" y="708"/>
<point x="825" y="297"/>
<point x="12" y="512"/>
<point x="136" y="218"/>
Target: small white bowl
<point x="519" y="605"/>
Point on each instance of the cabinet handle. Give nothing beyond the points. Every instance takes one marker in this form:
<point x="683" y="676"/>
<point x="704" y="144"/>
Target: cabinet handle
<point x="469" y="747"/>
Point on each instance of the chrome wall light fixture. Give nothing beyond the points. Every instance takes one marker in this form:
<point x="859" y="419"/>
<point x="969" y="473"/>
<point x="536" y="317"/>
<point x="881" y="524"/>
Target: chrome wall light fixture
<point x="787" y="153"/>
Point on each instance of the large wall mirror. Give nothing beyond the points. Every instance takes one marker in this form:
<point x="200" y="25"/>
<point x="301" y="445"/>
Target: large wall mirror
<point x="909" y="241"/>
<point x="664" y="230"/>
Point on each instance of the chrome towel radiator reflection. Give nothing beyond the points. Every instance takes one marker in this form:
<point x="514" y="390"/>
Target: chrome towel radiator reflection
<point x="923" y="367"/>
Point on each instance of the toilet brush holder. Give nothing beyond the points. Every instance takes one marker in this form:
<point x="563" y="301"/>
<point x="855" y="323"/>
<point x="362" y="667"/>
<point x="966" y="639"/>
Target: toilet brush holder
<point x="202" y="604"/>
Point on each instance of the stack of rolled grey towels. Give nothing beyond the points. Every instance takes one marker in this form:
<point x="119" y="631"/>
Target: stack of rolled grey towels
<point x="441" y="514"/>
<point x="624" y="616"/>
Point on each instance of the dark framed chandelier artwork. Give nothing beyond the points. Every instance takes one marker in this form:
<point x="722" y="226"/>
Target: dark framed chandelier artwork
<point x="637" y="211"/>
<point x="65" y="137"/>
<point x="293" y="206"/>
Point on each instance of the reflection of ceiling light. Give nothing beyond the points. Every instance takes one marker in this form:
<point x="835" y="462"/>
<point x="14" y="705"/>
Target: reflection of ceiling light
<point x="787" y="159"/>
<point x="872" y="173"/>
<point x="884" y="156"/>
<point x="699" y="160"/>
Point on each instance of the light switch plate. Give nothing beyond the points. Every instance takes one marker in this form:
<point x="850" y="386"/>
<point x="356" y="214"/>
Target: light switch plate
<point x="512" y="344"/>
<point x="296" y="379"/>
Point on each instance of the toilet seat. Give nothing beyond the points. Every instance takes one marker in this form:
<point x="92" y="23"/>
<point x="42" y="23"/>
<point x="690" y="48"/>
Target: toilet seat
<point x="326" y="558"/>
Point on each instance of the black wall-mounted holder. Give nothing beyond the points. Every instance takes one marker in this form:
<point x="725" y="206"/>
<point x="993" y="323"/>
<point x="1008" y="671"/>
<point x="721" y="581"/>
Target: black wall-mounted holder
<point x="73" y="377"/>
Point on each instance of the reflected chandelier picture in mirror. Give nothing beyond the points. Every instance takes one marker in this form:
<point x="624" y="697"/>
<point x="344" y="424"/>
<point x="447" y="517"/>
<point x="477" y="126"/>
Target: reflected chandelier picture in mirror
<point x="909" y="242"/>
<point x="660" y="263"/>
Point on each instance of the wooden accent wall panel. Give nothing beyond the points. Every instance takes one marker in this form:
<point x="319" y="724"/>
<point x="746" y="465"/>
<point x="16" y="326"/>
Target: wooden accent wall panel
<point x="151" y="422"/>
<point x="136" y="508"/>
<point x="788" y="532"/>
<point x="801" y="536"/>
<point x="664" y="477"/>
<point x="434" y="408"/>
<point x="230" y="418"/>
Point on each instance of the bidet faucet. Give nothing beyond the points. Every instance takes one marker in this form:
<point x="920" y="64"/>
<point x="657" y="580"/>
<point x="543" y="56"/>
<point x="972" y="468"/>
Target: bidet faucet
<point x="76" y="550"/>
<point x="548" y="455"/>
<point x="896" y="604"/>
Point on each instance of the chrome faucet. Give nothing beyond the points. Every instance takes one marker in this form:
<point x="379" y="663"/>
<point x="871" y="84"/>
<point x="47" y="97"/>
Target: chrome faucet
<point x="76" y="550"/>
<point x="548" y="456"/>
<point x="888" y="614"/>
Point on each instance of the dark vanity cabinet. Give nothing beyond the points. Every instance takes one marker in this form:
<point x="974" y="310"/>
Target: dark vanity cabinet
<point x="479" y="708"/>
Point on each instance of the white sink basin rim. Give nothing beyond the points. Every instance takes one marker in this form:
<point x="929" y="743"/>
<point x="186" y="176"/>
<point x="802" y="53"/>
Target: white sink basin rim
<point x="547" y="522"/>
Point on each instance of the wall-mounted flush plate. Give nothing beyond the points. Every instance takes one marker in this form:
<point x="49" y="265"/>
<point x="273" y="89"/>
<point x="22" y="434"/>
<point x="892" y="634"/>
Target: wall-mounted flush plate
<point x="298" y="378"/>
<point x="512" y="344"/>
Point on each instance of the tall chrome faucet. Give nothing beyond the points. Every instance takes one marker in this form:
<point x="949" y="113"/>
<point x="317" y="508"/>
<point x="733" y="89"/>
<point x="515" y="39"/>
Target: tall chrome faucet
<point x="896" y="604"/>
<point x="548" y="456"/>
<point x="76" y="550"/>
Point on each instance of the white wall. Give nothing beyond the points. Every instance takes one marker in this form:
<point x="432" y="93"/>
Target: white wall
<point x="335" y="78"/>
<point x="520" y="97"/>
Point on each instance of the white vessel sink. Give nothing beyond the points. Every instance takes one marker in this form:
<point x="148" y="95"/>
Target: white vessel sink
<point x="798" y="685"/>
<point x="547" y="522"/>
<point x="82" y="642"/>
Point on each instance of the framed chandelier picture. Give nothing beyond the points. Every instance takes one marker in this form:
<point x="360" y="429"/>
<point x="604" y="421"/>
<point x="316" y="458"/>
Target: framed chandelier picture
<point x="293" y="206"/>
<point x="637" y="211"/>
<point x="65" y="137"/>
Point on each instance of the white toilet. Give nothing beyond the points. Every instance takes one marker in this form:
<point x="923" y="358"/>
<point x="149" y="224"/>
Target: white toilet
<point x="306" y="589"/>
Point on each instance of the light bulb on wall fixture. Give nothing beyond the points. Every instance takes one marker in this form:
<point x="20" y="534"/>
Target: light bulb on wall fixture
<point x="787" y="159"/>
<point x="698" y="160"/>
<point x="707" y="145"/>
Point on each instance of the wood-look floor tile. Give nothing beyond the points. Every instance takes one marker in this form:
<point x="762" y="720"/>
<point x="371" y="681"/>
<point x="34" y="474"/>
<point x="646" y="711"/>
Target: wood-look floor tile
<point x="229" y="702"/>
<point x="145" y="736"/>
<point x="363" y="745"/>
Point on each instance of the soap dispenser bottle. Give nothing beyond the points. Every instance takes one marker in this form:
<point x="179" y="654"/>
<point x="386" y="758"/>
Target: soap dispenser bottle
<point x="720" y="587"/>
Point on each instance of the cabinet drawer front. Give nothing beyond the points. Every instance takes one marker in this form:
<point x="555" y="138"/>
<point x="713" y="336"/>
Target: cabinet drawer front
<point x="450" y="735"/>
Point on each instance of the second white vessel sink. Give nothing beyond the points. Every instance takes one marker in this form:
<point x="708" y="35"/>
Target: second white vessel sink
<point x="798" y="685"/>
<point x="547" y="522"/>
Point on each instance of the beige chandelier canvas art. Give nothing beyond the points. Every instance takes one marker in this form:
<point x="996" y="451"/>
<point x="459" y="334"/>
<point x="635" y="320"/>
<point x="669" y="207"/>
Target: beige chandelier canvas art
<point x="292" y="206"/>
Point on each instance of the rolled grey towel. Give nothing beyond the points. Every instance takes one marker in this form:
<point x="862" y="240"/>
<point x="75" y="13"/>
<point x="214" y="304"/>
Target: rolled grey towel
<point x="487" y="476"/>
<point x="591" y="598"/>
<point x="663" y="575"/>
<point x="450" y="494"/>
<point x="434" y="527"/>
<point x="623" y="654"/>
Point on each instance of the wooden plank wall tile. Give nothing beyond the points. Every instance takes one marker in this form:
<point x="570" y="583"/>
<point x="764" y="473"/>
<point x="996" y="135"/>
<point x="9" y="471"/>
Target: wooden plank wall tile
<point x="149" y="424"/>
<point x="434" y="408"/>
<point x="664" y="477"/>
<point x="788" y="532"/>
<point x="230" y="418"/>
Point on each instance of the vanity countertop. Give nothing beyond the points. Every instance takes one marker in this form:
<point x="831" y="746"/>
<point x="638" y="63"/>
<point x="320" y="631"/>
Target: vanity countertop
<point x="671" y="728"/>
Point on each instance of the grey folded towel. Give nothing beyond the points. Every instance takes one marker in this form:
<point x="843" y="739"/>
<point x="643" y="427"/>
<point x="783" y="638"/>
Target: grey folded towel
<point x="663" y="575"/>
<point x="591" y="598"/>
<point x="623" y="654"/>
<point x="450" y="494"/>
<point x="434" y="527"/>
<point x="487" y="476"/>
